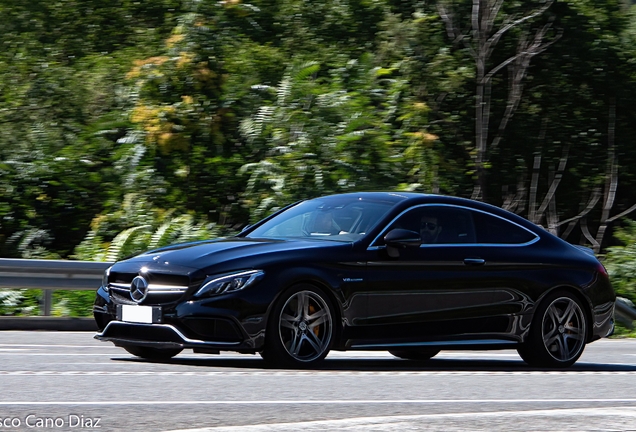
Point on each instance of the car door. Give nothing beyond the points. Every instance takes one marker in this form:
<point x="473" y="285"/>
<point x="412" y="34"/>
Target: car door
<point x="443" y="290"/>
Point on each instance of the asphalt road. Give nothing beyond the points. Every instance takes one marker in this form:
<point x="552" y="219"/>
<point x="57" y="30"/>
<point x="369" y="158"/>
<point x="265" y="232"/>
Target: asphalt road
<point x="68" y="381"/>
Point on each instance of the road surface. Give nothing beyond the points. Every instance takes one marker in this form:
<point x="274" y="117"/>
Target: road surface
<point x="69" y="381"/>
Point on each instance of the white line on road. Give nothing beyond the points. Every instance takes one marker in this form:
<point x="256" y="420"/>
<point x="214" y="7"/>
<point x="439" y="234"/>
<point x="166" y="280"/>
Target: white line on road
<point x="354" y="354"/>
<point x="316" y="402"/>
<point x="410" y="422"/>
<point x="454" y="355"/>
<point x="292" y="373"/>
<point x="101" y="345"/>
<point x="95" y="363"/>
<point x="68" y="354"/>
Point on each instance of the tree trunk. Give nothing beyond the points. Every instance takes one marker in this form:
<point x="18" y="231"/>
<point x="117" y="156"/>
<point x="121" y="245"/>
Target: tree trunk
<point x="481" y="134"/>
<point x="481" y="41"/>
<point x="611" y="177"/>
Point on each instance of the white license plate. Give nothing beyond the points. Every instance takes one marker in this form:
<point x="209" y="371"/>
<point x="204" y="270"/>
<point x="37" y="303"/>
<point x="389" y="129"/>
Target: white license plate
<point x="137" y="314"/>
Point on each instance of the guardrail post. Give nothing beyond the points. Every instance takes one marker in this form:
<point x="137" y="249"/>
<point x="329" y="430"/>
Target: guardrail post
<point x="48" y="301"/>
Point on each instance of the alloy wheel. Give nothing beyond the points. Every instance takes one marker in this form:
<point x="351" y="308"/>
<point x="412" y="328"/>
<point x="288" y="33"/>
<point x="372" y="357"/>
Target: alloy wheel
<point x="563" y="329"/>
<point x="305" y="326"/>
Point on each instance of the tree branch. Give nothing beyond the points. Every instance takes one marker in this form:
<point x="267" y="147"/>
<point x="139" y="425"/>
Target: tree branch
<point x="494" y="39"/>
<point x="493" y="11"/>
<point x="454" y="32"/>
<point x="620" y="215"/>
<point x="530" y="50"/>
<point x="555" y="182"/>
<point x="594" y="198"/>
<point x="586" y="233"/>
<point x="474" y="17"/>
<point x="611" y="174"/>
<point x="536" y="166"/>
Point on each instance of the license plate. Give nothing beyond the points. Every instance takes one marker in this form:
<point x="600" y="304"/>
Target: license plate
<point x="139" y="314"/>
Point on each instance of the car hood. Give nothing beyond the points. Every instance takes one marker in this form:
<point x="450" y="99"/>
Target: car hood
<point x="199" y="255"/>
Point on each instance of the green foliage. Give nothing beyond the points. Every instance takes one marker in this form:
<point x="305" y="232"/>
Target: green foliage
<point x="156" y="229"/>
<point x="313" y="29"/>
<point x="73" y="303"/>
<point x="621" y="331"/>
<point x="114" y="112"/>
<point x="27" y="302"/>
<point x="319" y="133"/>
<point x="128" y="125"/>
<point x="22" y="302"/>
<point x="620" y="261"/>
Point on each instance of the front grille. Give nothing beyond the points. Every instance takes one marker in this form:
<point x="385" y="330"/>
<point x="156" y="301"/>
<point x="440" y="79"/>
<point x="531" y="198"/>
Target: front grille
<point x="121" y="298"/>
<point x="162" y="288"/>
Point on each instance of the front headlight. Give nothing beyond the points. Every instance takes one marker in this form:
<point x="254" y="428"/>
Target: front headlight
<point x="105" y="278"/>
<point x="231" y="282"/>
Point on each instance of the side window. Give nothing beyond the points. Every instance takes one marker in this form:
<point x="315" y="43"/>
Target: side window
<point x="493" y="230"/>
<point x="437" y="224"/>
<point x="455" y="225"/>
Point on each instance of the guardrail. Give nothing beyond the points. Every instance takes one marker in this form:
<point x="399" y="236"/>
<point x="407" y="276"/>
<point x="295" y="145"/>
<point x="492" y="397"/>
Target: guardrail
<point x="50" y="275"/>
<point x="625" y="313"/>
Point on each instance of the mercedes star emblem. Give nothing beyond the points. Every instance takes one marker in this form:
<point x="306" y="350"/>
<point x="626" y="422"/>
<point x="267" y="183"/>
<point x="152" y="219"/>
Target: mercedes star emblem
<point x="138" y="289"/>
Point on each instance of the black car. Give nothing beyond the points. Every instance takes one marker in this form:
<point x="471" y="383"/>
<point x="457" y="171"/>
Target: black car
<point x="409" y="273"/>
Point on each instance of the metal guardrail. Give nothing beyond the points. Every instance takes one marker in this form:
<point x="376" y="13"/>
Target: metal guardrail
<point x="50" y="275"/>
<point x="625" y="313"/>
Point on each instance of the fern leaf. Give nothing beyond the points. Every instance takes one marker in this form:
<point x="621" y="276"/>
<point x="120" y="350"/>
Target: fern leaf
<point x="122" y="240"/>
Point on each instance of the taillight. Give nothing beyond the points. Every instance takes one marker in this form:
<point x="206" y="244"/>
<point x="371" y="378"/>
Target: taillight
<point x="601" y="269"/>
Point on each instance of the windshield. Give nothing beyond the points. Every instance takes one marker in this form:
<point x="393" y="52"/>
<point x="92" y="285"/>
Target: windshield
<point x="333" y="218"/>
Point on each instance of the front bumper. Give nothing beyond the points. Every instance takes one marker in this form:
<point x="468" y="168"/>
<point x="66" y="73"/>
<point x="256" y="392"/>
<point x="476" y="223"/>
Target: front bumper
<point x="206" y="325"/>
<point x="158" y="336"/>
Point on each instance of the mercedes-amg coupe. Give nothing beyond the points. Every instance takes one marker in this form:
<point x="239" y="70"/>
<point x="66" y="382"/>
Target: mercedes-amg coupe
<point x="408" y="273"/>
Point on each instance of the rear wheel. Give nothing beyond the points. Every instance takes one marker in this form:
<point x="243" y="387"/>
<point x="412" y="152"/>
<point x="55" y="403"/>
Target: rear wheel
<point x="422" y="354"/>
<point x="150" y="353"/>
<point x="558" y="332"/>
<point x="300" y="328"/>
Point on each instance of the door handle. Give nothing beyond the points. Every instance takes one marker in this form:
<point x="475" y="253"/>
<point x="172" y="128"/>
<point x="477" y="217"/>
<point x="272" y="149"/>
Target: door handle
<point x="474" y="261"/>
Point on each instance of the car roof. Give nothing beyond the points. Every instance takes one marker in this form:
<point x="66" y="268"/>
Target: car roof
<point x="384" y="196"/>
<point x="404" y="200"/>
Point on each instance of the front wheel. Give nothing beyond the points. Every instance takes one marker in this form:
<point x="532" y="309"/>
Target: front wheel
<point x="150" y="353"/>
<point x="300" y="328"/>
<point x="558" y="332"/>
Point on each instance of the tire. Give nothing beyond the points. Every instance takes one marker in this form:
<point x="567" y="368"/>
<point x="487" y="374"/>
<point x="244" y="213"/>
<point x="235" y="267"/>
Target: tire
<point x="300" y="328"/>
<point x="558" y="332"/>
<point x="422" y="354"/>
<point x="152" y="353"/>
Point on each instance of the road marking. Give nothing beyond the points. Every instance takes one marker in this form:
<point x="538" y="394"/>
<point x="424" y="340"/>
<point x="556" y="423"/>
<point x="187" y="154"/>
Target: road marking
<point x="54" y="354"/>
<point x="410" y="422"/>
<point x="109" y="363"/>
<point x="451" y="355"/>
<point x="58" y="346"/>
<point x="291" y="373"/>
<point x="88" y="333"/>
<point x="447" y="353"/>
<point x="318" y="402"/>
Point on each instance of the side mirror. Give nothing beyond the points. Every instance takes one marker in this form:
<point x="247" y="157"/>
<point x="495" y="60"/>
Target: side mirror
<point x="402" y="238"/>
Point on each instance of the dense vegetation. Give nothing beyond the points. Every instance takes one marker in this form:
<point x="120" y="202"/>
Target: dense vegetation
<point x="127" y="124"/>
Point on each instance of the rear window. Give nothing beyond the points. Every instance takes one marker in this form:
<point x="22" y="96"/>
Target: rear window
<point x="493" y="230"/>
